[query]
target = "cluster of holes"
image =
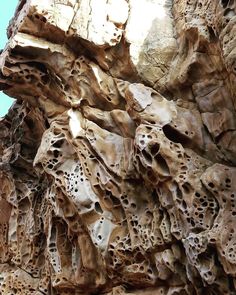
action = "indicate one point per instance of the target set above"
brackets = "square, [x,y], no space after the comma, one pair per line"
[150,153]
[142,230]
[73,178]
[54,255]
[176,229]
[165,229]
[22,286]
[135,225]
[232,201]
[99,237]
[204,209]
[55,153]
[81,62]
[57,281]
[144,268]
[229,12]
[51,163]
[156,239]
[195,244]
[117,36]
[76,71]
[207,275]
[120,247]
[109,198]
[228,183]
[144,139]
[229,246]
[40,17]
[31,264]
[182,176]
[38,73]
[75,257]
[127,204]
[73,181]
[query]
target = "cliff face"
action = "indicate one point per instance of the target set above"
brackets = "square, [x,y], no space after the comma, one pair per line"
[117,161]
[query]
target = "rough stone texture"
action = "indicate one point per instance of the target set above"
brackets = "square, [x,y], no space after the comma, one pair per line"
[117,160]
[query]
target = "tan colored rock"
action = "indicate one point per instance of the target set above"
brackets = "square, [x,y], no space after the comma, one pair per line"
[117,160]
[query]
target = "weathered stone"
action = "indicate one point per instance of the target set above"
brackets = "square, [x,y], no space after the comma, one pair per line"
[117,160]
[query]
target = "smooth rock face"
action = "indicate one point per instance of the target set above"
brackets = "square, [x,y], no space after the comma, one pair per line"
[117,163]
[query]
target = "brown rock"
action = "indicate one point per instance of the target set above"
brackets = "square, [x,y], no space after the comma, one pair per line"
[117,160]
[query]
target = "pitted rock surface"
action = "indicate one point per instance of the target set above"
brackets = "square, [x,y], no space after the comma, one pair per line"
[117,160]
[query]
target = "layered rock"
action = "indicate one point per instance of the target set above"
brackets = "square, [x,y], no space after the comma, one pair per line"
[117,162]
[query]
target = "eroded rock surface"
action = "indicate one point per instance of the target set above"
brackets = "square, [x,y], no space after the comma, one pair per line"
[117,162]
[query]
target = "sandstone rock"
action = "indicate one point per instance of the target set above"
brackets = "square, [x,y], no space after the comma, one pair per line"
[117,161]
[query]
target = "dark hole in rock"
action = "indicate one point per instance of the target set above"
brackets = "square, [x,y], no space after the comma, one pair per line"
[162,164]
[98,208]
[224,3]
[58,143]
[174,135]
[147,157]
[155,149]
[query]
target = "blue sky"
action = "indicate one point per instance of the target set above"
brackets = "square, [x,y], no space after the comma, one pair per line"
[7,9]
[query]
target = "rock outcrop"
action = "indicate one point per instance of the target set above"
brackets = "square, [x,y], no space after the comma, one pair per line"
[117,162]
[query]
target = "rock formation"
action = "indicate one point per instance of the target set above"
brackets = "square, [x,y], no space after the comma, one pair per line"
[117,162]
